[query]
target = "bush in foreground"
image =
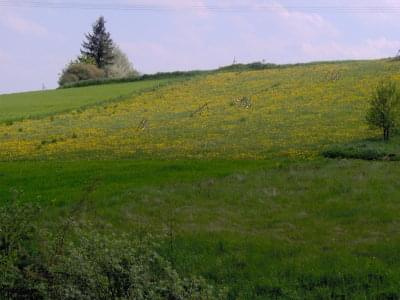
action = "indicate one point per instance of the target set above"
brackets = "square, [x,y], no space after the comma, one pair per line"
[77,263]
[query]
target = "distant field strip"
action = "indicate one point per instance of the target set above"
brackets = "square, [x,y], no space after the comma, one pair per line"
[43,103]
[293,112]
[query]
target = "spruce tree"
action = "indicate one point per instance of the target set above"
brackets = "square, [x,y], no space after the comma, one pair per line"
[99,45]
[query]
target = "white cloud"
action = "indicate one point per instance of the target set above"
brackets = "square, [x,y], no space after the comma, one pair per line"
[369,11]
[151,57]
[276,35]
[21,25]
[255,36]
[194,35]
[199,7]
[305,24]
[176,3]
[370,48]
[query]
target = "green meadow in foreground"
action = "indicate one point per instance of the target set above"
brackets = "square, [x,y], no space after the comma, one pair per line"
[321,229]
[283,226]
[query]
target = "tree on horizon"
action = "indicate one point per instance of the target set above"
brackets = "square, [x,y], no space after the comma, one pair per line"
[99,45]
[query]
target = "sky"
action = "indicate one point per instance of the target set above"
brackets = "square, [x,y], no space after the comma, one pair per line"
[37,42]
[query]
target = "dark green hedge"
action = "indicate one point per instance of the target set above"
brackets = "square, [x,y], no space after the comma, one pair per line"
[168,75]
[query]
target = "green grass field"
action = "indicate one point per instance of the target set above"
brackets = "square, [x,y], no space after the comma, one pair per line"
[237,191]
[44,103]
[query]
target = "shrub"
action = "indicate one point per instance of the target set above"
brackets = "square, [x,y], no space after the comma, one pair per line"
[249,67]
[76,262]
[384,108]
[157,76]
[353,153]
[367,150]
[76,72]
[17,254]
[121,67]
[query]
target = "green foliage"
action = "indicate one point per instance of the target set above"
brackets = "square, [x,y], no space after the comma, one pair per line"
[76,72]
[76,262]
[99,45]
[101,81]
[84,59]
[354,153]
[384,108]
[17,250]
[145,77]
[249,67]
[266,66]
[369,149]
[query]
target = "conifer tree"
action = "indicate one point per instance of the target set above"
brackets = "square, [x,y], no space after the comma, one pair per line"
[99,45]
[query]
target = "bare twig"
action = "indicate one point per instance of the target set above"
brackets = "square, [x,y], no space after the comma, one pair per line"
[200,110]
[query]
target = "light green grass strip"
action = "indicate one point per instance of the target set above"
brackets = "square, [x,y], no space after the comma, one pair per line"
[44,103]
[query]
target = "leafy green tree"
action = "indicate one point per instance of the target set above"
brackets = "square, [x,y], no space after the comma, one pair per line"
[384,108]
[99,45]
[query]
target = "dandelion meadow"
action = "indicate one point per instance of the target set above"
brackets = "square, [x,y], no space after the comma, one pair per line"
[291,112]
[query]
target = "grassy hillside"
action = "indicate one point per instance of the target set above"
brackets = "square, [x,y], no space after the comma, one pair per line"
[44,103]
[227,171]
[292,112]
